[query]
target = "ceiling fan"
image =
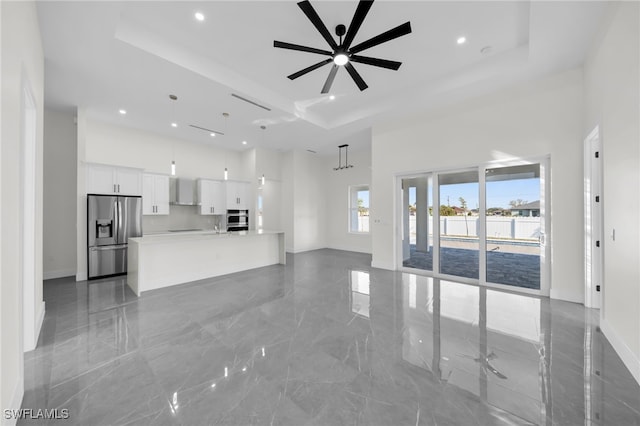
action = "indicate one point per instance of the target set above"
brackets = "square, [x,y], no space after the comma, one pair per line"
[344,54]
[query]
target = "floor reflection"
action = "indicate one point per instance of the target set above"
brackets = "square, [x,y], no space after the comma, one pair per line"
[326,340]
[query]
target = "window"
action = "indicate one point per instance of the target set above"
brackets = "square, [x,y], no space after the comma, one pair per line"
[359,208]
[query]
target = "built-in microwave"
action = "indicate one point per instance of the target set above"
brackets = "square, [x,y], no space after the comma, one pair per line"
[237,220]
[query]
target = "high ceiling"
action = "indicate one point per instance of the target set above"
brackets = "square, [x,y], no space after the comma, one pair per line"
[107,56]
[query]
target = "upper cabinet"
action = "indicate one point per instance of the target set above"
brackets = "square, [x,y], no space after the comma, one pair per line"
[211,197]
[155,194]
[113,180]
[237,195]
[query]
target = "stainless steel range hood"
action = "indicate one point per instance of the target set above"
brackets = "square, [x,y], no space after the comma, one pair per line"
[183,192]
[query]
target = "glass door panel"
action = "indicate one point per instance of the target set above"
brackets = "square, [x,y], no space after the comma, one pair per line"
[459,244]
[417,213]
[514,225]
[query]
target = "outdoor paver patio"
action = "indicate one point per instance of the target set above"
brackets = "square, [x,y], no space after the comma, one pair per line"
[517,269]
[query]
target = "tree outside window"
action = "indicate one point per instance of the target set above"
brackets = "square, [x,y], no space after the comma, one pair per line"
[359,209]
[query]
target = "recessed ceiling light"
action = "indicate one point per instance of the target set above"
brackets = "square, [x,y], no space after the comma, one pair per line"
[199,16]
[174,124]
[462,40]
[213,135]
[332,97]
[122,111]
[244,142]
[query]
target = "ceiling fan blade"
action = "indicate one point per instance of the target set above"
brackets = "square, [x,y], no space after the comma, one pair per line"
[317,22]
[329,82]
[382,63]
[356,22]
[355,76]
[291,46]
[308,69]
[396,32]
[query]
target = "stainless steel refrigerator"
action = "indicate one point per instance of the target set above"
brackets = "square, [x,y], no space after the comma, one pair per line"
[111,221]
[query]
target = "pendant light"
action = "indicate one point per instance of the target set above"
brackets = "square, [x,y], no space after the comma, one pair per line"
[226,171]
[173,98]
[262,180]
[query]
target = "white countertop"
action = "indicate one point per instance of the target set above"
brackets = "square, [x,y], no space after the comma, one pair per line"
[169,237]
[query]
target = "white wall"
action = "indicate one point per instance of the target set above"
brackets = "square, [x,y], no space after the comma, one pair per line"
[22,58]
[612,74]
[99,142]
[337,185]
[59,227]
[309,202]
[531,120]
[287,200]
[303,201]
[269,163]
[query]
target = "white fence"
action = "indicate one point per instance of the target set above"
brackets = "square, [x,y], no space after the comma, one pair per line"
[521,228]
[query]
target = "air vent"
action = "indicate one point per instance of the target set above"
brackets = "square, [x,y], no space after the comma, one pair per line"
[250,102]
[206,130]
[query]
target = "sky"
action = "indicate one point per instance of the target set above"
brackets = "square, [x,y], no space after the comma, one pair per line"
[499,194]
[364,196]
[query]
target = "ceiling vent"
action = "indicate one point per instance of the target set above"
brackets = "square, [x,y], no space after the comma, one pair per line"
[250,102]
[206,130]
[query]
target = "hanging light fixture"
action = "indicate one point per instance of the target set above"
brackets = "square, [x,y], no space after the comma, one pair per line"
[346,158]
[262,180]
[173,98]
[226,171]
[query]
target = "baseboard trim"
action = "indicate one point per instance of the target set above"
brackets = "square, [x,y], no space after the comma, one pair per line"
[16,402]
[40,321]
[558,295]
[630,360]
[332,247]
[304,250]
[61,273]
[383,265]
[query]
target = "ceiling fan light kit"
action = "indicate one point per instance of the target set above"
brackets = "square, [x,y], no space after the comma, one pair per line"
[343,54]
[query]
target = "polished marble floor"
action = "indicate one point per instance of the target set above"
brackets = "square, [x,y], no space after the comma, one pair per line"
[324,340]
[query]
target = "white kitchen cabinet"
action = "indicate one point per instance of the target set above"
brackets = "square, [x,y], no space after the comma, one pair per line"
[113,180]
[155,194]
[211,197]
[237,195]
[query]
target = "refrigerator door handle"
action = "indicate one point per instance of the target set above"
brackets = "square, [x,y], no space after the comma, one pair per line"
[106,248]
[119,230]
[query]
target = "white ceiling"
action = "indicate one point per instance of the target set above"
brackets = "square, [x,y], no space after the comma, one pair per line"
[105,56]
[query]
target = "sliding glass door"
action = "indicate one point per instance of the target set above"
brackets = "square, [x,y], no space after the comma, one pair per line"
[417,214]
[489,224]
[459,243]
[514,225]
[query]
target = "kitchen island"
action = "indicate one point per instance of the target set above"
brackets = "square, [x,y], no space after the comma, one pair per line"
[163,260]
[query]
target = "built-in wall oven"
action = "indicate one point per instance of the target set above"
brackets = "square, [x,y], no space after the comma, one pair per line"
[237,220]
